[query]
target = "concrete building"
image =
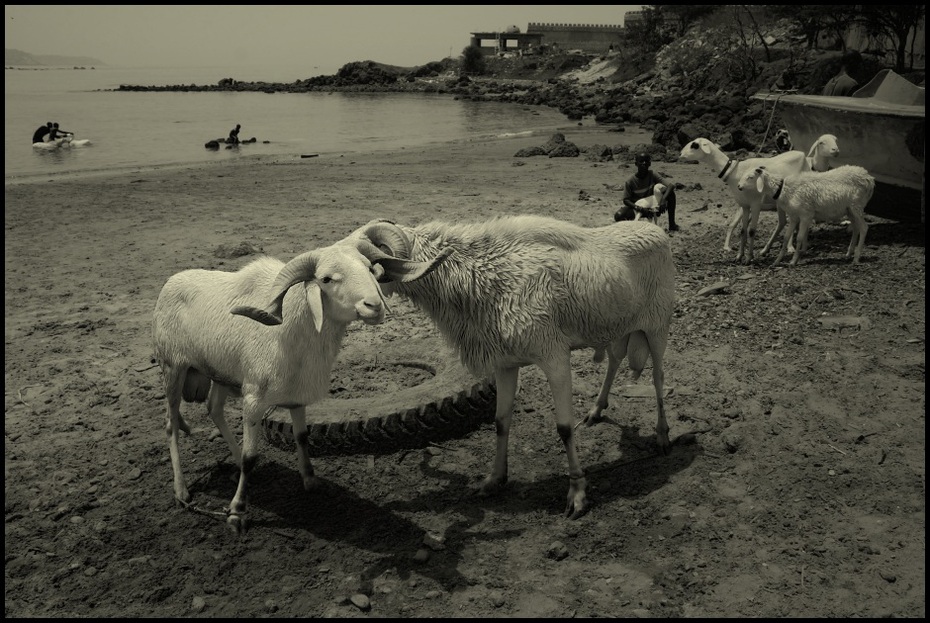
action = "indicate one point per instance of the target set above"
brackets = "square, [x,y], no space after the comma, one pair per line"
[589,38]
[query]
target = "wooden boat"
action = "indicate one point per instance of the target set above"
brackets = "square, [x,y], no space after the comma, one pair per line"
[880,127]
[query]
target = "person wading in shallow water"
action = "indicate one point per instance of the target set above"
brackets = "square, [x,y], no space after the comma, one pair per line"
[233,136]
[39,135]
[56,132]
[639,186]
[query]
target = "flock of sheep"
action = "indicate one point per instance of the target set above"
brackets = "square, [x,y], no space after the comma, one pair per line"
[271,332]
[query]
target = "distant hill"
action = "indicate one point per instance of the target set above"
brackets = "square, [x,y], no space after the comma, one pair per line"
[18,58]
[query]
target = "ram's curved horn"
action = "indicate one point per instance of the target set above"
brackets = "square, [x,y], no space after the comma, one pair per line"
[398,269]
[388,237]
[301,268]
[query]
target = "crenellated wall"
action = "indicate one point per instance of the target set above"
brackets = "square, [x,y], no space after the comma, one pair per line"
[592,38]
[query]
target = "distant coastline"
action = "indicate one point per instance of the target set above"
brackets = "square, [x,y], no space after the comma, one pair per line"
[17,59]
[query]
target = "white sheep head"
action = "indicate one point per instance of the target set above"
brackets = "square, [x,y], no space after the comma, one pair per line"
[760,176]
[827,145]
[697,149]
[348,273]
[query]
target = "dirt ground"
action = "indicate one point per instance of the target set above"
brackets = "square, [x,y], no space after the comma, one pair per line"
[799,492]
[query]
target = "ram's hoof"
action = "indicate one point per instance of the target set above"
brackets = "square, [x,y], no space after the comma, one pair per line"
[238,524]
[490,486]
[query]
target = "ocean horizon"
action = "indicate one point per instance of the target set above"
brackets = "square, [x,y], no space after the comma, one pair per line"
[130,129]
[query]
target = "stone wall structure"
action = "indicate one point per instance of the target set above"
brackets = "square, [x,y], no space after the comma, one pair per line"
[590,38]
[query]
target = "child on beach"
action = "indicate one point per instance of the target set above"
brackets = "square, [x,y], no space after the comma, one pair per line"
[640,186]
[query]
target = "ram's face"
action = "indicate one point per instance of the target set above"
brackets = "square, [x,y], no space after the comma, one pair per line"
[695,149]
[347,282]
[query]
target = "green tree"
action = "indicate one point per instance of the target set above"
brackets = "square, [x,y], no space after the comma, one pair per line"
[473,61]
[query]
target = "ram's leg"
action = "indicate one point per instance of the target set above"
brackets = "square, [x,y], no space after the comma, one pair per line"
[559,373]
[616,351]
[731,227]
[657,343]
[174,381]
[782,219]
[506,380]
[751,232]
[789,232]
[299,422]
[803,228]
[743,234]
[860,228]
[215,403]
[251,418]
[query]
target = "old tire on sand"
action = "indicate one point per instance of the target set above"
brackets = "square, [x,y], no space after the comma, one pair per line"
[418,392]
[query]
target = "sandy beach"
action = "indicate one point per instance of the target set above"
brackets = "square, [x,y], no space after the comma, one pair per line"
[802,492]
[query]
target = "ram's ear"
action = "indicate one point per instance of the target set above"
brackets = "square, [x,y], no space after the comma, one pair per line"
[760,184]
[705,146]
[315,300]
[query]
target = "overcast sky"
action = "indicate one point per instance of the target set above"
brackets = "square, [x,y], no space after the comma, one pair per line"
[192,36]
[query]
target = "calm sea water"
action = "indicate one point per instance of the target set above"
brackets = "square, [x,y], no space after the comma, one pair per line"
[132,129]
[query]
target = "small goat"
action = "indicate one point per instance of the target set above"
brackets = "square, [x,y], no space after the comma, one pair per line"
[648,207]
[808,197]
[207,351]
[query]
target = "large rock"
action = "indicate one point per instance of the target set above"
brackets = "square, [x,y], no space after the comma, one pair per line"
[565,150]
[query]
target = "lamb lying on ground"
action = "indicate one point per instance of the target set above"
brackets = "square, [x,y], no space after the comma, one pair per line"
[808,197]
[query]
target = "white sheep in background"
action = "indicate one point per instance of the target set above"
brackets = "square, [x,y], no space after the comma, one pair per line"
[819,158]
[521,290]
[207,351]
[750,201]
[812,196]
[648,207]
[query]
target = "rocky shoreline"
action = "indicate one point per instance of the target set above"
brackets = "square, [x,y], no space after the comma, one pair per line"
[669,116]
[675,104]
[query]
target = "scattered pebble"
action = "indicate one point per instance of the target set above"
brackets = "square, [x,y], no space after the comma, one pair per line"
[497,600]
[135,473]
[888,577]
[434,541]
[433,594]
[198,603]
[422,555]
[557,550]
[360,601]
